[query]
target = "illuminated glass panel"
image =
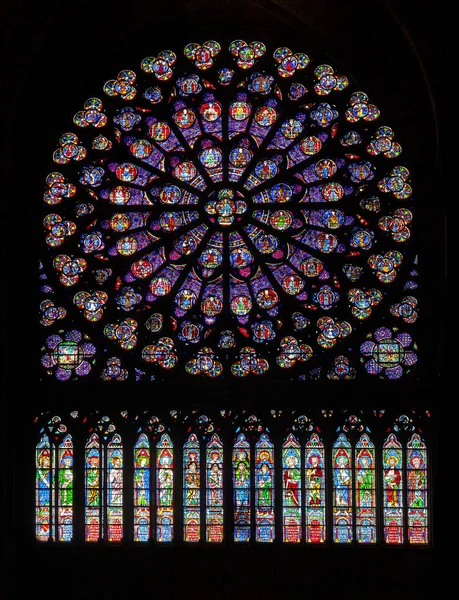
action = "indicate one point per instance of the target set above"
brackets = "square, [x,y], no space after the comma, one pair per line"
[115,489]
[264,486]
[315,490]
[417,488]
[234,194]
[342,490]
[65,490]
[365,495]
[44,503]
[393,490]
[93,506]
[191,490]
[142,490]
[164,490]
[214,490]
[291,486]
[241,489]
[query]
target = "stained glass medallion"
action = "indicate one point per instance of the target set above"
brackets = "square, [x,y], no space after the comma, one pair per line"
[228,211]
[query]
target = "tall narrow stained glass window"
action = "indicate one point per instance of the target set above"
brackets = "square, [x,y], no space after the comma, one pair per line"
[44,504]
[142,489]
[164,489]
[191,490]
[292,493]
[365,495]
[342,490]
[417,488]
[54,498]
[114,489]
[214,490]
[65,490]
[393,490]
[104,488]
[93,502]
[241,489]
[315,490]
[264,486]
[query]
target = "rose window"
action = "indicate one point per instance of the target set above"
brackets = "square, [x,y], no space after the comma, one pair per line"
[229,211]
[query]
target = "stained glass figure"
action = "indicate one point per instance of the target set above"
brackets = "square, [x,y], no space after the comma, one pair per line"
[227,187]
[115,489]
[292,507]
[315,489]
[44,502]
[417,489]
[164,489]
[65,490]
[365,495]
[356,499]
[241,489]
[214,490]
[264,486]
[393,490]
[94,454]
[191,490]
[342,490]
[142,489]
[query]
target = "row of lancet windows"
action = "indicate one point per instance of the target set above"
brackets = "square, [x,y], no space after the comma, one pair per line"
[361,492]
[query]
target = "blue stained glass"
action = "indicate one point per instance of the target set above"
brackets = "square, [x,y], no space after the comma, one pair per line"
[219,140]
[241,489]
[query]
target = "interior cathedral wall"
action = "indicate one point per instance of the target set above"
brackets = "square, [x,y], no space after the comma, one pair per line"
[60,54]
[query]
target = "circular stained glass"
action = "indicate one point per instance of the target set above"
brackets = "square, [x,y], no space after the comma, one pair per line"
[241,212]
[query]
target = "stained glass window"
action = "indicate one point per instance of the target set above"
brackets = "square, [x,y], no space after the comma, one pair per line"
[291,485]
[104,484]
[214,487]
[393,490]
[93,504]
[142,489]
[338,500]
[54,497]
[115,489]
[191,490]
[65,490]
[228,211]
[241,489]
[264,485]
[342,490]
[315,490]
[44,504]
[416,462]
[164,489]
[365,495]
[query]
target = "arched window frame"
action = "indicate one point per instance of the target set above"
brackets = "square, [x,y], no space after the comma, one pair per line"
[215,490]
[166,473]
[191,484]
[54,495]
[405,431]
[143,490]
[302,427]
[104,483]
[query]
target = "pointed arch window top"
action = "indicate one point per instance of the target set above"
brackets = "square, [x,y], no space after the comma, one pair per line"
[338,501]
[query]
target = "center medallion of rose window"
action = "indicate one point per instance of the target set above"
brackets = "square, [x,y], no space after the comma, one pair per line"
[225,206]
